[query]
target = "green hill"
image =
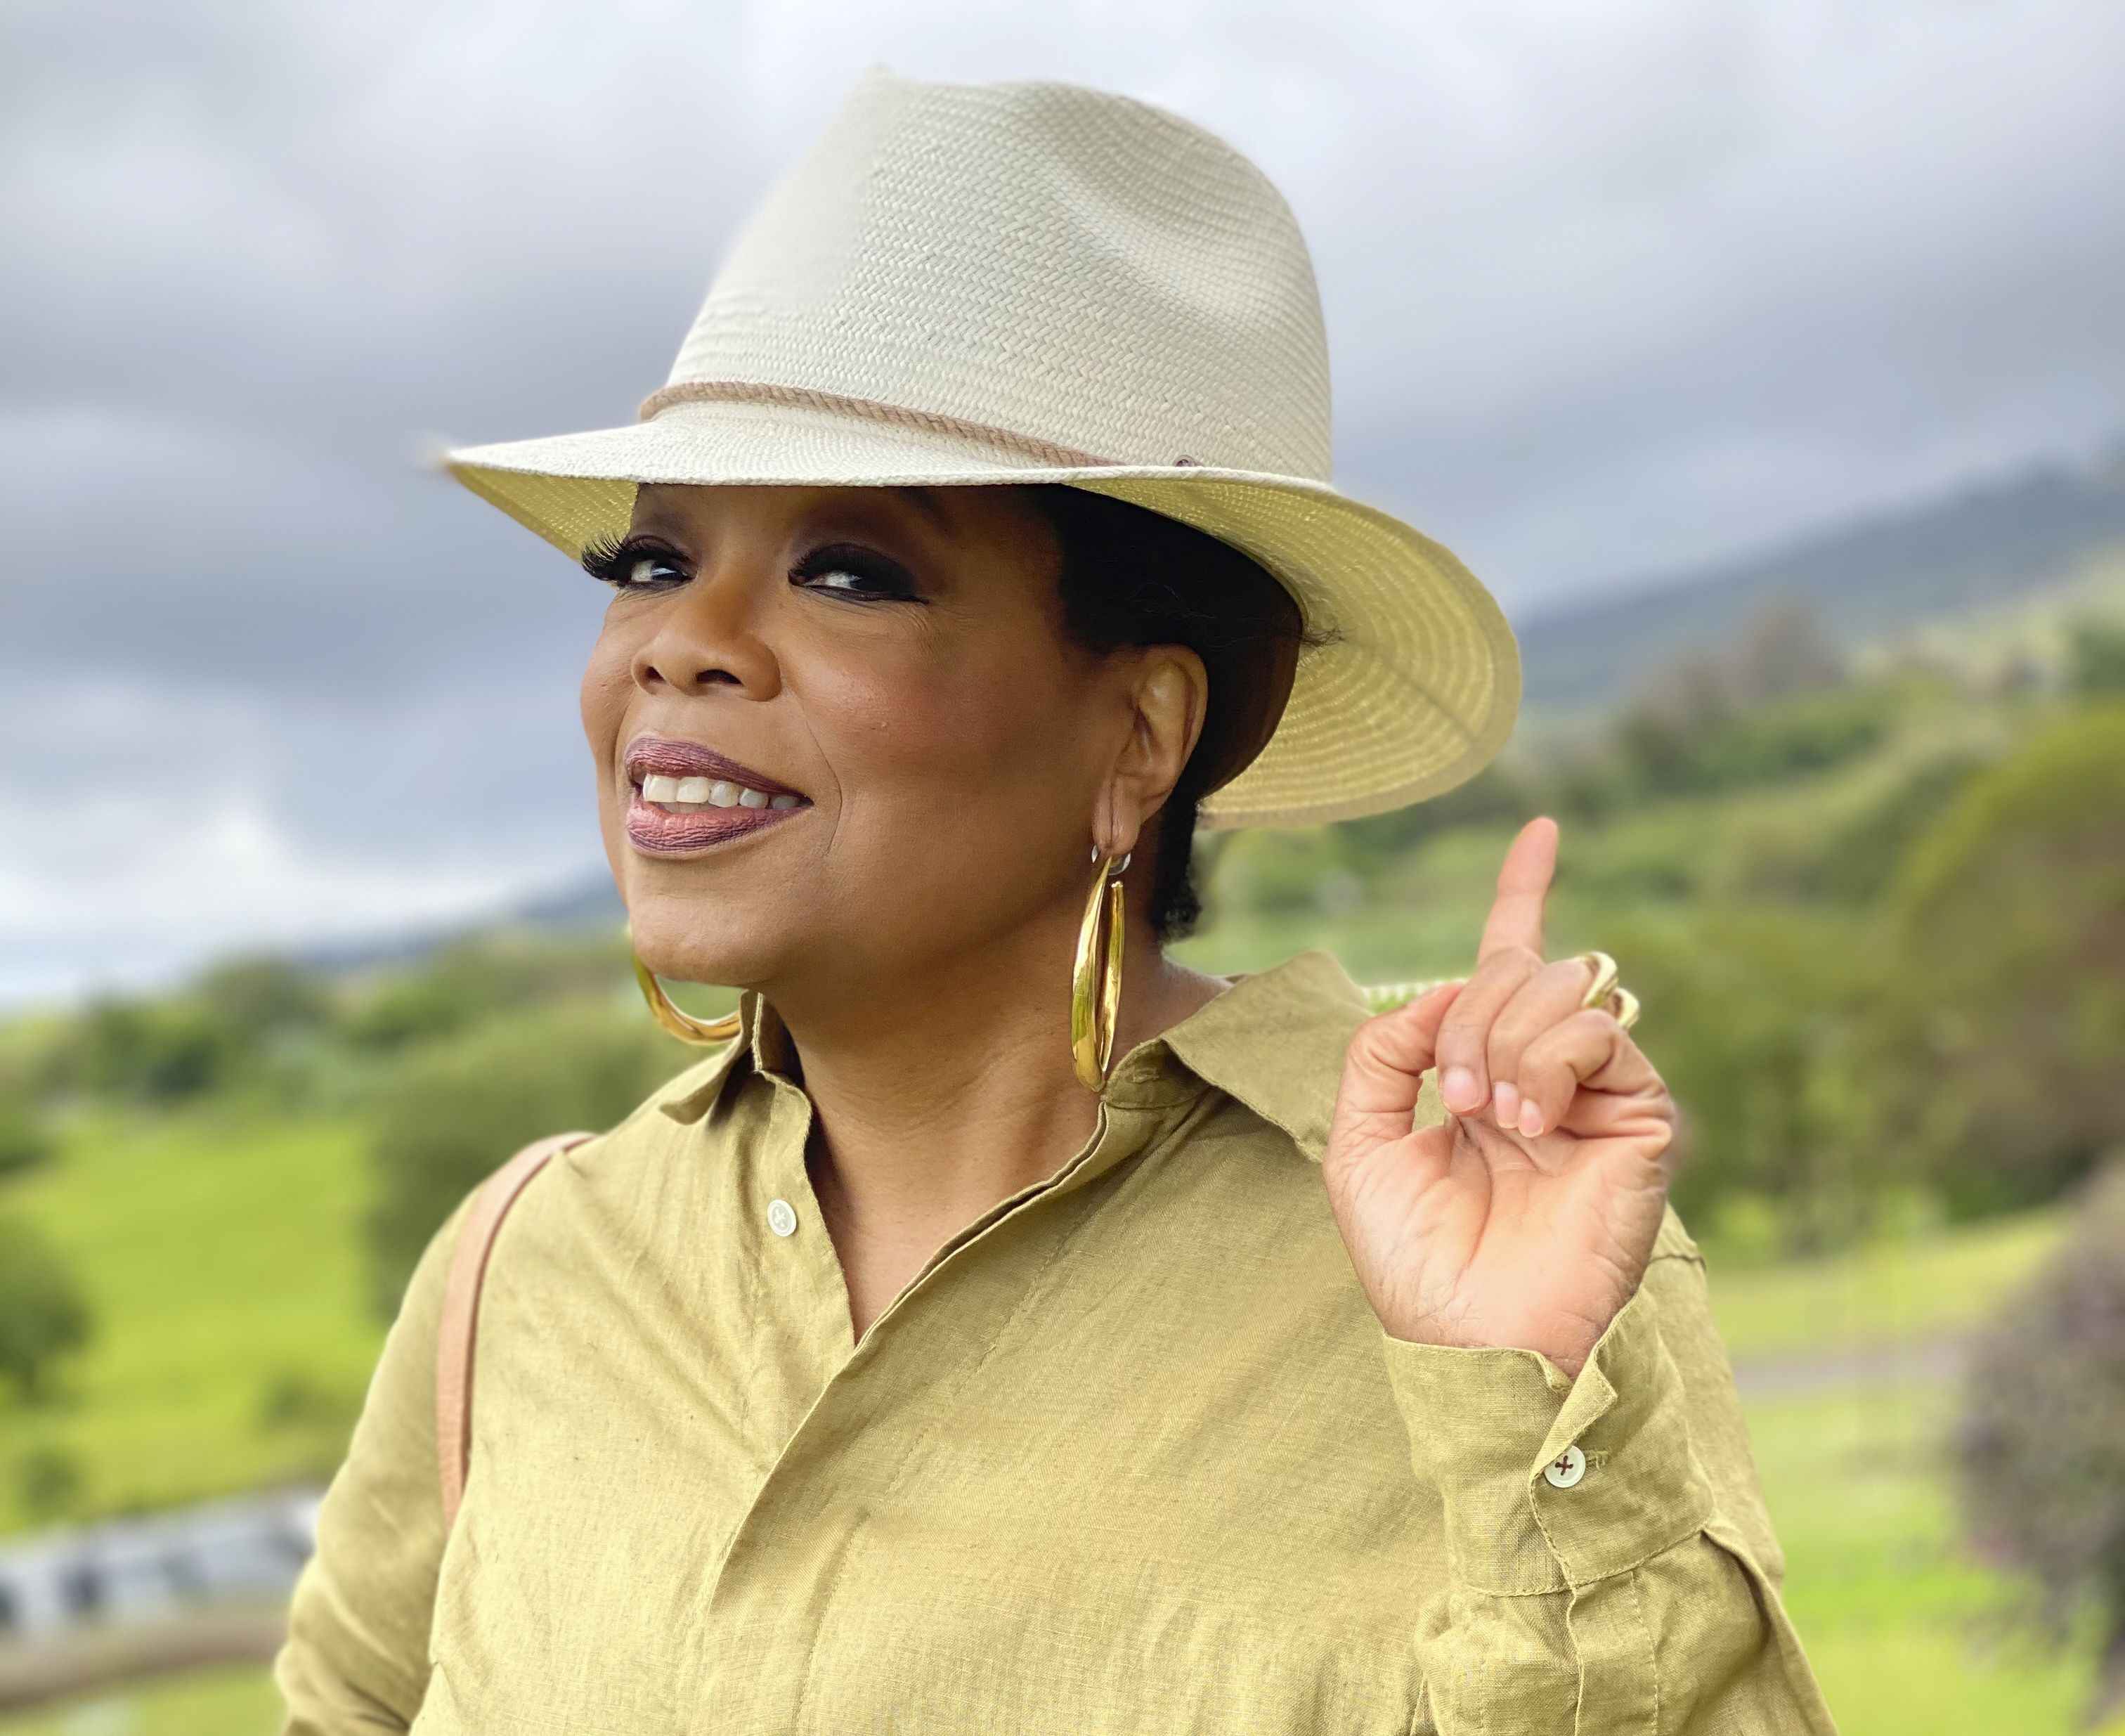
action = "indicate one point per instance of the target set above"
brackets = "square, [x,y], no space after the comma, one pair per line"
[1988,545]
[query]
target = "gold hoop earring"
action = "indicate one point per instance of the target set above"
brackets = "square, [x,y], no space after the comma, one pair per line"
[681,1024]
[1095,993]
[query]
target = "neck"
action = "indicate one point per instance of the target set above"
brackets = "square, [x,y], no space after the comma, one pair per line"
[937,1096]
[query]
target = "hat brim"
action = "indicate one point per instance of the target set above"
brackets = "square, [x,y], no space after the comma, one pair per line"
[1411,689]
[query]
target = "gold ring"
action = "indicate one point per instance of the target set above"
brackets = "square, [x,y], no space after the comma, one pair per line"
[1604,977]
[1606,992]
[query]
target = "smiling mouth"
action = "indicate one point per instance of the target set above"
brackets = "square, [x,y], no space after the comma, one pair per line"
[683,797]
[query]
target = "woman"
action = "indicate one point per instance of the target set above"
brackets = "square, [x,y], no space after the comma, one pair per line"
[980,1342]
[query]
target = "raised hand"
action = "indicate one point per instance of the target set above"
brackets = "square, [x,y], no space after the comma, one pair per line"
[1526,1218]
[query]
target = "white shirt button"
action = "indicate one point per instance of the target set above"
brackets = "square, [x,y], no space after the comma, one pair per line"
[1566,1468]
[782,1217]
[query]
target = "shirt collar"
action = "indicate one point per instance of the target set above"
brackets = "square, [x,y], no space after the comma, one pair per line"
[762,1044]
[1274,1041]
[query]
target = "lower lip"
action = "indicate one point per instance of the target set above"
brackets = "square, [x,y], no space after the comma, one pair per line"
[660,832]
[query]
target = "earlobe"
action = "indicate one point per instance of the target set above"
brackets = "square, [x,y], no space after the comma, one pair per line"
[1118,820]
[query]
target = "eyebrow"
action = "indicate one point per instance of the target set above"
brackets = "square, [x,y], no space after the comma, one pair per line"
[925,502]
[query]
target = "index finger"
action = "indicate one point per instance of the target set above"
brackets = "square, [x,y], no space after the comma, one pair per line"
[1515,918]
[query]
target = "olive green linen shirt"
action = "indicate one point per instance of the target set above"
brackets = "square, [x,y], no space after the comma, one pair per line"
[1132,1453]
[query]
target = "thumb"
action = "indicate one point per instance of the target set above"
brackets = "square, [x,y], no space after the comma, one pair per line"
[1383,1071]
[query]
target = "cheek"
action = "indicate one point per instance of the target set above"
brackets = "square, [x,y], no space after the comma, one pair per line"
[607,679]
[936,729]
[602,701]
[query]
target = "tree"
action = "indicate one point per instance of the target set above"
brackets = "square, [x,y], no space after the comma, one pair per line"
[459,1109]
[264,996]
[2095,659]
[2011,969]
[1784,649]
[159,1050]
[24,1140]
[1755,1017]
[2040,1447]
[44,1317]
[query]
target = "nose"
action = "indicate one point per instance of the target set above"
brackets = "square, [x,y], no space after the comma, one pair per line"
[710,637]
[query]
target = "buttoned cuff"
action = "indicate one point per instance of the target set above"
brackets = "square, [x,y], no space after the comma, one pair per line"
[1485,1425]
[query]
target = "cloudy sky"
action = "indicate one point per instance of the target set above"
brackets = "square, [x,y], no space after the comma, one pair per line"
[1613,287]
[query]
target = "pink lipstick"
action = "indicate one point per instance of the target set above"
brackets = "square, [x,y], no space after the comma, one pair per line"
[684,797]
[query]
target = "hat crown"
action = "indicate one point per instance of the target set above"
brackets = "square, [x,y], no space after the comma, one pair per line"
[1074,268]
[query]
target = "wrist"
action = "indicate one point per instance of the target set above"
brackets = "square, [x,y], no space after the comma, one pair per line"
[1565,1344]
[1486,1425]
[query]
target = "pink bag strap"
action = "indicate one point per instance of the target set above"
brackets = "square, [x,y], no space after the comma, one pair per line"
[459,1328]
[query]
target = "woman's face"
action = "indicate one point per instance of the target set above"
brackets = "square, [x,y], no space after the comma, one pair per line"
[840,735]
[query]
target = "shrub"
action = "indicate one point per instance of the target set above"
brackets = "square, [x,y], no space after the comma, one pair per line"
[479,978]
[2040,1449]
[2096,659]
[44,1317]
[24,1140]
[264,997]
[47,1482]
[1755,1017]
[2011,919]
[158,1050]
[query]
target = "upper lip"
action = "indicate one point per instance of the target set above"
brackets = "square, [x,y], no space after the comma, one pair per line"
[648,754]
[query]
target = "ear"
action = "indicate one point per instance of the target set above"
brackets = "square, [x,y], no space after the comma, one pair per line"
[1168,695]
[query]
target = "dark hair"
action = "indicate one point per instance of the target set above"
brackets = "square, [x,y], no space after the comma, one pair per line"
[1133,577]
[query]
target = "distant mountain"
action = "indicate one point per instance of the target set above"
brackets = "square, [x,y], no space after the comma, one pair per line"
[593,904]
[1979,547]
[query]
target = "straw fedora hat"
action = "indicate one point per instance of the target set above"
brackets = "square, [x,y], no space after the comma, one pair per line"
[1037,282]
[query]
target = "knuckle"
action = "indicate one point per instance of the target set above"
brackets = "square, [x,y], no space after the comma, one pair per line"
[1371,1041]
[1518,1027]
[1463,1041]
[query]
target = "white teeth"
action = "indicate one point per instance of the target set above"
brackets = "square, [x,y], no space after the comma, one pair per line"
[689,794]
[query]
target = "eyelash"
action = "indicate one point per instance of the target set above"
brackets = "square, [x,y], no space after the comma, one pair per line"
[610,563]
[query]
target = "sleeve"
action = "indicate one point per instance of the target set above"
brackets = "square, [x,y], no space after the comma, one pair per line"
[1613,1565]
[356,1656]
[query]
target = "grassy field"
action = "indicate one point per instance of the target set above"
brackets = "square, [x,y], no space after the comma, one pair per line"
[217,1702]
[221,1254]
[204,1318]
[1894,1291]
[1901,1624]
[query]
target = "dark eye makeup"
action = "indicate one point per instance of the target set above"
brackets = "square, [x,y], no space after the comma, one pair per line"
[848,570]
[634,563]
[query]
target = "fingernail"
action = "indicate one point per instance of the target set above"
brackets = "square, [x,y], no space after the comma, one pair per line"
[1506,1104]
[1463,1095]
[1530,1121]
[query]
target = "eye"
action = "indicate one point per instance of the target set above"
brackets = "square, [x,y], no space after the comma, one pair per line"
[861,575]
[634,563]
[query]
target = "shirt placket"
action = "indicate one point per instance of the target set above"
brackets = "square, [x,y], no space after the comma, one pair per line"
[801,1314]
[801,1267]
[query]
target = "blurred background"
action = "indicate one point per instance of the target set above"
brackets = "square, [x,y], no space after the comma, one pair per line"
[1767,360]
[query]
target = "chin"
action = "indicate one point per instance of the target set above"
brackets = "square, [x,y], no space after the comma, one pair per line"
[698,939]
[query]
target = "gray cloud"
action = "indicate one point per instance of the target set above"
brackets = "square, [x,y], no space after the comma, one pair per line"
[1608,289]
